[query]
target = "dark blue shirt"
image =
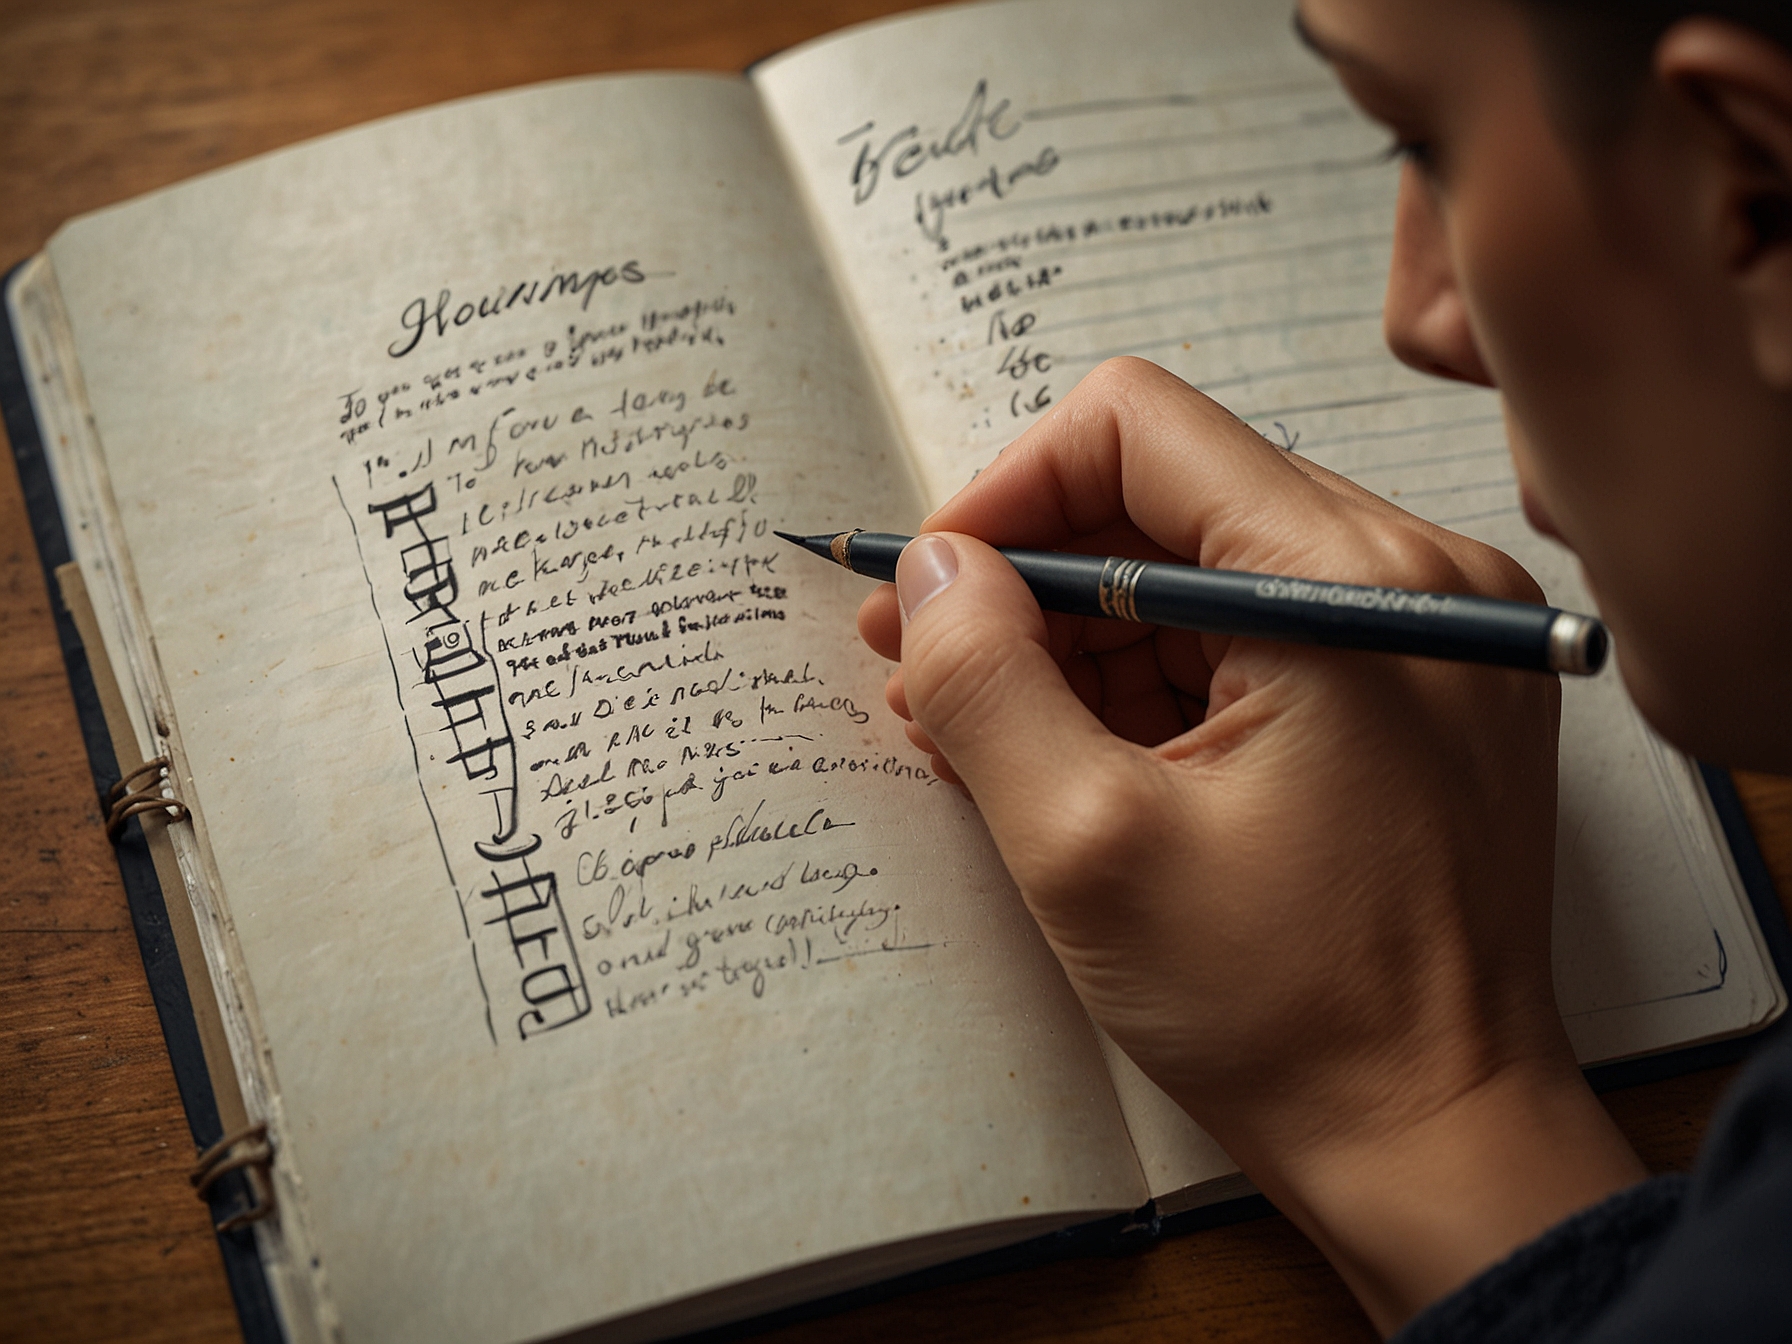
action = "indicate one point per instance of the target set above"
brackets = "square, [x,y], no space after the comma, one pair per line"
[1706,1256]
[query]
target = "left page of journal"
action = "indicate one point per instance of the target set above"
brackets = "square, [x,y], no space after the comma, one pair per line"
[584,929]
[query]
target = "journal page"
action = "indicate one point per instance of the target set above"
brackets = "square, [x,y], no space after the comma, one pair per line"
[1013,192]
[598,938]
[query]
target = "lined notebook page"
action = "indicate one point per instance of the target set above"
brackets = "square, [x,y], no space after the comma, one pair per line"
[1014,192]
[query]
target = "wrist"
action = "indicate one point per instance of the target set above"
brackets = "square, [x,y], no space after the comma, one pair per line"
[1409,1215]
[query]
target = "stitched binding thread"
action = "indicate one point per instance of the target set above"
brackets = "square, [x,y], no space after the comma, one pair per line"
[247,1151]
[139,792]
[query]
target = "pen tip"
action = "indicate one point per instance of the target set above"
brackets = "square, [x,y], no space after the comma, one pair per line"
[821,545]
[788,536]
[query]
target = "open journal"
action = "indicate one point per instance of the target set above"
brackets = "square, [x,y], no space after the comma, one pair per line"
[582,928]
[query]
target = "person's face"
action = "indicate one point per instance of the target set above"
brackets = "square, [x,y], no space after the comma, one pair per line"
[1592,283]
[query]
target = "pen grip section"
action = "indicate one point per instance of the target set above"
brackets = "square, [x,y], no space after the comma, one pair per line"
[874,554]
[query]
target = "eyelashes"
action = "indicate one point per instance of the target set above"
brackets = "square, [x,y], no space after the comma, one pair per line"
[1417,152]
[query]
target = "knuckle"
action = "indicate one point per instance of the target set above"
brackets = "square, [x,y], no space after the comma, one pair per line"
[1499,575]
[1127,379]
[1415,554]
[1122,372]
[1413,559]
[1093,834]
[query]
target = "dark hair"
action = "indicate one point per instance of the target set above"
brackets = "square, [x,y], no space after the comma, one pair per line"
[1632,23]
[1599,51]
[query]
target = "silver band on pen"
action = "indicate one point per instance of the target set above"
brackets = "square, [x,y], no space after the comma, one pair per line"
[1119,583]
[1576,644]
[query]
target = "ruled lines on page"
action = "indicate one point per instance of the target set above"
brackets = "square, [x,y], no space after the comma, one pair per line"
[1012,193]
[1234,228]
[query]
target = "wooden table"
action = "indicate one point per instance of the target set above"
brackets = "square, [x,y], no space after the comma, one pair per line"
[99,1236]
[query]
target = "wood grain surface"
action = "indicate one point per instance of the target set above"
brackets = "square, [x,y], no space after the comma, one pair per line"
[100,1238]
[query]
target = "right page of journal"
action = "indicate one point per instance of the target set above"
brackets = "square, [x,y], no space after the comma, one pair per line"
[1013,192]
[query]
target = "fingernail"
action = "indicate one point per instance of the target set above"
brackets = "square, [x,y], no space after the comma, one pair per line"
[927,564]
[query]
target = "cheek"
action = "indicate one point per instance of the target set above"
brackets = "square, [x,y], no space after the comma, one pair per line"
[1630,448]
[1534,291]
[1596,416]
[1638,424]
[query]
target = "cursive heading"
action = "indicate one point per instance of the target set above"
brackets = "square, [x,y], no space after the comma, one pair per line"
[420,316]
[908,150]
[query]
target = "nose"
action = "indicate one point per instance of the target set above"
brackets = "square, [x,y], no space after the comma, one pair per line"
[1424,319]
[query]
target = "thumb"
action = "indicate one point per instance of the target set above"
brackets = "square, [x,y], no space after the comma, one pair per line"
[981,682]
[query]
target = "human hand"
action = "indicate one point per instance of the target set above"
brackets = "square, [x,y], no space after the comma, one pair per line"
[1306,890]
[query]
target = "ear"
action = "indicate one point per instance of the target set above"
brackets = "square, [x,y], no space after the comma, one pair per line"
[1741,80]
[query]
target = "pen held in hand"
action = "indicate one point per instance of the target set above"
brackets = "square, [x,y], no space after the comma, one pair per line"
[1455,626]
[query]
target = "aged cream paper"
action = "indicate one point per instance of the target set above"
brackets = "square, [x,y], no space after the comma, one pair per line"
[606,941]
[585,901]
[1013,192]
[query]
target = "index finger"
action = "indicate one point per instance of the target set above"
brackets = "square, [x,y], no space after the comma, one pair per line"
[1133,448]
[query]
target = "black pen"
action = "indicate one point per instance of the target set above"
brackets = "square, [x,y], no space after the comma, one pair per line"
[1455,626]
